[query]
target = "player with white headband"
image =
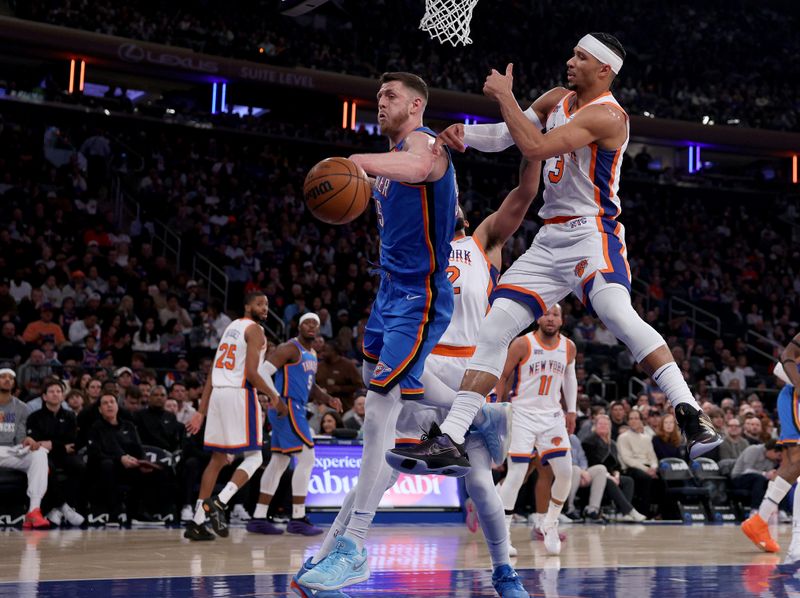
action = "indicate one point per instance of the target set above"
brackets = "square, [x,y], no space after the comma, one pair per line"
[294,367]
[581,134]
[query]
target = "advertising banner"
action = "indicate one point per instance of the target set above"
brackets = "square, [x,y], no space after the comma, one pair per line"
[336,472]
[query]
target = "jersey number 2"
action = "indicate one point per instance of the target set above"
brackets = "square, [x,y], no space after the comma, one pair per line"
[557,172]
[227,357]
[453,274]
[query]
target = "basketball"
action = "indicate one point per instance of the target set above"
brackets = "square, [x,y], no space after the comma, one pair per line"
[337,190]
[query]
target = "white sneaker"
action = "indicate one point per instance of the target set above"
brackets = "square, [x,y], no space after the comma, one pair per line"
[55,517]
[633,517]
[552,543]
[187,513]
[238,513]
[72,516]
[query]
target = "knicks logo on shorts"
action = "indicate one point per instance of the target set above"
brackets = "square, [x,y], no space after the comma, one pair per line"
[580,268]
[556,441]
[381,368]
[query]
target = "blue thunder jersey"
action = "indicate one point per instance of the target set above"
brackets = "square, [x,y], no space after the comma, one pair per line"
[416,222]
[294,380]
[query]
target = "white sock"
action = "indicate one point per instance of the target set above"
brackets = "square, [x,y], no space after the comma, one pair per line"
[669,379]
[777,489]
[358,527]
[537,520]
[227,492]
[36,503]
[463,411]
[199,514]
[298,511]
[553,511]
[261,511]
[509,517]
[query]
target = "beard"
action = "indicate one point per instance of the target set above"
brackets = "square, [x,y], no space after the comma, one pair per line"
[459,224]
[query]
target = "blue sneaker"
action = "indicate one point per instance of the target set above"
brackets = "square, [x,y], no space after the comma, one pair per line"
[342,567]
[308,592]
[507,583]
[495,430]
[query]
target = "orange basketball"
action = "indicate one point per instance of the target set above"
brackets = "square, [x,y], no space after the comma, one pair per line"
[337,191]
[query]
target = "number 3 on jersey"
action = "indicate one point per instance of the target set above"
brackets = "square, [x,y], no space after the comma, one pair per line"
[227,357]
[558,171]
[453,274]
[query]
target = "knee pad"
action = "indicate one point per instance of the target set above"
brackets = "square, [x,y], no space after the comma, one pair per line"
[503,323]
[612,304]
[252,461]
[562,477]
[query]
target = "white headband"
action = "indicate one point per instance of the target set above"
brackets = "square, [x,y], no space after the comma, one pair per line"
[601,51]
[308,316]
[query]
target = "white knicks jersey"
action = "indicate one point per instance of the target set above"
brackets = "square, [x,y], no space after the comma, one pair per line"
[228,366]
[585,181]
[540,374]
[473,278]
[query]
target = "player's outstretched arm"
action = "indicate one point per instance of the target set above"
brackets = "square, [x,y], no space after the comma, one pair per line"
[415,164]
[495,137]
[497,228]
[516,353]
[601,124]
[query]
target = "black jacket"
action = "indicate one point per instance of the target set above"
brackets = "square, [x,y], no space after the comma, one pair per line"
[159,428]
[112,442]
[60,428]
[600,453]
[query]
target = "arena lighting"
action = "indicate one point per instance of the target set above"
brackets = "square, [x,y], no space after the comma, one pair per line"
[694,159]
[344,114]
[794,169]
[353,117]
[222,99]
[71,75]
[83,73]
[214,98]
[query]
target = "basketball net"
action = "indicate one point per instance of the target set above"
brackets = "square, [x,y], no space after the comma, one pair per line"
[448,20]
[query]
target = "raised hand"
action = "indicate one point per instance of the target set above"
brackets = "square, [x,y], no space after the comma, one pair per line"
[497,85]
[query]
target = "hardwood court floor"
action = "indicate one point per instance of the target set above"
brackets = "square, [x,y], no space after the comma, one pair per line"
[624,560]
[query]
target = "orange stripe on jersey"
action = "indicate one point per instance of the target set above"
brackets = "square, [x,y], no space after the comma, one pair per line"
[453,351]
[490,286]
[623,250]
[566,103]
[609,266]
[427,229]
[522,362]
[592,164]
[560,219]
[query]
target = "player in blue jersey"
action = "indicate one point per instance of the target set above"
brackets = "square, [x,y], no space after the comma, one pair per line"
[756,527]
[294,366]
[415,199]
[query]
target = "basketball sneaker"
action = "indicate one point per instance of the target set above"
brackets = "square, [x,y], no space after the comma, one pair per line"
[701,436]
[495,430]
[187,513]
[308,592]
[239,513]
[435,454]
[72,516]
[215,512]
[198,533]
[35,520]
[472,516]
[507,583]
[344,566]
[538,535]
[55,517]
[552,539]
[303,527]
[757,530]
[263,526]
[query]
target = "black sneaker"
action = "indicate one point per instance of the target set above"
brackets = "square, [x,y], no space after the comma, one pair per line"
[435,454]
[215,511]
[574,515]
[594,516]
[701,436]
[198,533]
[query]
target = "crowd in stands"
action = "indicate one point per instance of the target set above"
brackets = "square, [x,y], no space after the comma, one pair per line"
[743,81]
[103,331]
